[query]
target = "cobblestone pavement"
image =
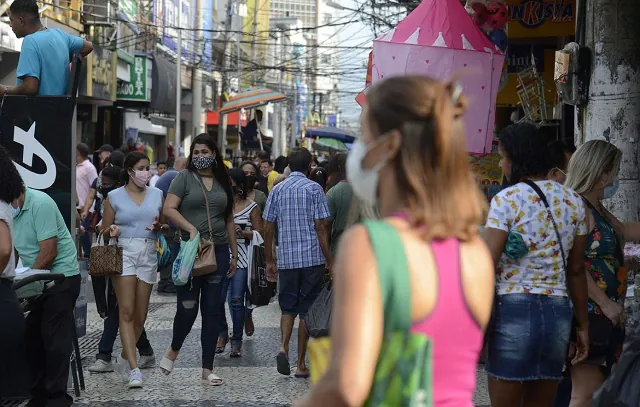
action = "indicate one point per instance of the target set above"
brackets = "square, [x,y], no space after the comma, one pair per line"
[249,381]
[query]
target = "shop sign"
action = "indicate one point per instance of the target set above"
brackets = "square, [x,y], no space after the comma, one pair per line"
[137,88]
[101,75]
[519,57]
[541,18]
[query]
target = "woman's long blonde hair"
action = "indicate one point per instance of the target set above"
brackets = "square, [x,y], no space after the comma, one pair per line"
[589,162]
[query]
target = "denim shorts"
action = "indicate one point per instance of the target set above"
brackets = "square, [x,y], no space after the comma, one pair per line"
[299,288]
[529,339]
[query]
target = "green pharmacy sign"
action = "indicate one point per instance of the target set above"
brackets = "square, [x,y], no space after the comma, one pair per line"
[137,88]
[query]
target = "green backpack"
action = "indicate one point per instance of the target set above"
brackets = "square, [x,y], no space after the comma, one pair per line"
[403,374]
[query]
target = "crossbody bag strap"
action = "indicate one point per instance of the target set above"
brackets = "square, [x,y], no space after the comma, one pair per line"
[542,196]
[393,274]
[206,202]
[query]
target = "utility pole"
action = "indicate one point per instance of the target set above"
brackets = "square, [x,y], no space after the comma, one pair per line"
[222,128]
[196,76]
[613,109]
[253,41]
[179,81]
[280,137]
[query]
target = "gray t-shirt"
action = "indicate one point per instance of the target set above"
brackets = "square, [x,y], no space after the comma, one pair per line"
[192,206]
[6,216]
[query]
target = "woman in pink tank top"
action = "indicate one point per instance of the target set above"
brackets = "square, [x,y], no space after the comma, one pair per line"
[411,161]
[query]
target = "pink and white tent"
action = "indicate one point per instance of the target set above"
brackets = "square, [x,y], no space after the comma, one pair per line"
[438,39]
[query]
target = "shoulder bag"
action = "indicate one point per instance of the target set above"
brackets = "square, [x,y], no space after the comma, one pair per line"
[205,262]
[403,376]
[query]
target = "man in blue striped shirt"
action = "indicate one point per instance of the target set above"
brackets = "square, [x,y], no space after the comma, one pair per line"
[299,207]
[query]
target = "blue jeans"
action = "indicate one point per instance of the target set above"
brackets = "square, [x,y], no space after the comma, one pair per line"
[205,291]
[108,338]
[236,289]
[530,337]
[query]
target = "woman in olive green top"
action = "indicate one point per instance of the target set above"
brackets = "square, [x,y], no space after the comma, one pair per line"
[186,207]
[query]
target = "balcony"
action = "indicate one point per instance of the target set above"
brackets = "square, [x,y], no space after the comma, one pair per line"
[67,12]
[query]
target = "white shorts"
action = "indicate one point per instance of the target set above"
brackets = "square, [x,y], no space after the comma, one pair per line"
[139,258]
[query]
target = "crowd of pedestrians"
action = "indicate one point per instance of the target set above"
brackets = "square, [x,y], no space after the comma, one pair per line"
[536,276]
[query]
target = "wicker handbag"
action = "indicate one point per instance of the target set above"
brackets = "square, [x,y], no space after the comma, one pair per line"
[206,257]
[106,260]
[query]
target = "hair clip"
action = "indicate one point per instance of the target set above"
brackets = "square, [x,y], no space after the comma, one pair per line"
[457,91]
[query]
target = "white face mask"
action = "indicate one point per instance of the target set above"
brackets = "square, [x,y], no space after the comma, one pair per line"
[364,182]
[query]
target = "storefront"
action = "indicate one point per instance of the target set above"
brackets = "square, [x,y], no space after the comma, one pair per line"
[135,98]
[536,29]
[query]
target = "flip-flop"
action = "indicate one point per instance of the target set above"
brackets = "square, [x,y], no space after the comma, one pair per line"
[213,380]
[302,375]
[166,366]
[283,364]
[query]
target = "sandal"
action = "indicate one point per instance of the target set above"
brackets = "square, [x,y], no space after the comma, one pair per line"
[166,366]
[236,353]
[249,328]
[220,348]
[213,380]
[283,364]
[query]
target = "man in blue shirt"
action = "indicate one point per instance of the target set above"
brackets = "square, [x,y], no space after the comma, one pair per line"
[165,285]
[43,68]
[299,208]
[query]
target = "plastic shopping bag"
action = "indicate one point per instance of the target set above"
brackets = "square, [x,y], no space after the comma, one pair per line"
[183,265]
[621,388]
[163,251]
[260,290]
[318,318]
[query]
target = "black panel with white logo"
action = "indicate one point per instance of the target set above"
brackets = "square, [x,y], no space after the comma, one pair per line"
[37,133]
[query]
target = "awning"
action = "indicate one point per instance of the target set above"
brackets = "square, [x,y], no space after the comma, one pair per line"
[331,132]
[163,92]
[330,145]
[252,97]
[213,119]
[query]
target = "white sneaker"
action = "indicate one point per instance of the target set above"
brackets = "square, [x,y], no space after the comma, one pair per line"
[100,366]
[135,379]
[147,362]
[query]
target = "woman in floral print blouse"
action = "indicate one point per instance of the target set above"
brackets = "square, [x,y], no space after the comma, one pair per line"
[593,173]
[536,284]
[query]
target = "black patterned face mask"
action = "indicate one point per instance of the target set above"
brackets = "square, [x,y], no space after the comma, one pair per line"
[203,162]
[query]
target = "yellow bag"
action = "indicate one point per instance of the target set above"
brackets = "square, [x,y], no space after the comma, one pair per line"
[319,357]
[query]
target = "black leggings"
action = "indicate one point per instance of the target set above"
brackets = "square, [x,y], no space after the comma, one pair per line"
[205,292]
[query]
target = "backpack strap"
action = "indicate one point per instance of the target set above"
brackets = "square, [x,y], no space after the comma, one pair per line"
[393,274]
